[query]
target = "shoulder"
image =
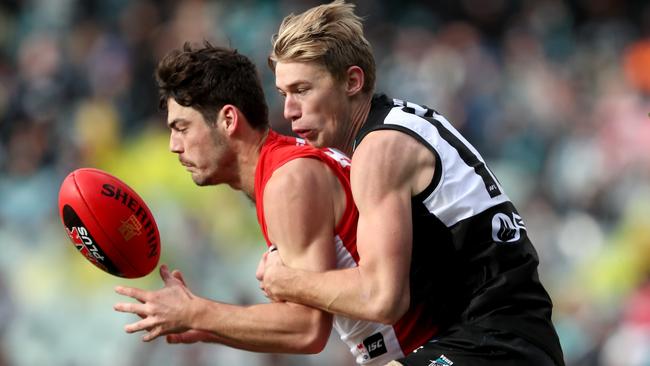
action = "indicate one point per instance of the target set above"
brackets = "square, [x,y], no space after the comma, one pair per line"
[298,175]
[390,160]
[298,202]
[387,146]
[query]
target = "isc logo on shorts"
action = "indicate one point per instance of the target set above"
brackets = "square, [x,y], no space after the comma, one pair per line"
[373,346]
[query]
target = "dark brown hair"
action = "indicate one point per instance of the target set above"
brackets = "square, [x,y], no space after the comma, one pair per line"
[207,78]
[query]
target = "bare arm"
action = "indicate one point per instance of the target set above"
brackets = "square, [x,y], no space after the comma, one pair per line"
[183,317]
[304,238]
[388,168]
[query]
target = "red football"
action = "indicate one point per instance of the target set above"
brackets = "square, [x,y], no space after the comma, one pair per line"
[109,223]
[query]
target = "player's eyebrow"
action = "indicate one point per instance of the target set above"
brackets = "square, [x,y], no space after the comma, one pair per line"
[293,85]
[172,124]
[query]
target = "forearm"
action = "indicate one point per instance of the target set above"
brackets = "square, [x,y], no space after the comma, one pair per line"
[275,327]
[349,292]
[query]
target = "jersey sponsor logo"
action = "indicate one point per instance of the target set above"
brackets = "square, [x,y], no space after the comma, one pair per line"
[506,229]
[441,361]
[372,346]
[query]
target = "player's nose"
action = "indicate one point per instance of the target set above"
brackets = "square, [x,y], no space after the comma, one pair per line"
[175,144]
[292,109]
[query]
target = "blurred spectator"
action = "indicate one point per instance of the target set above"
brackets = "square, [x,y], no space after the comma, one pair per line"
[6,314]
[637,59]
[628,345]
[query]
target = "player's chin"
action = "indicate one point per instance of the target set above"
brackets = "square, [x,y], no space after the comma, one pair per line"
[320,139]
[199,180]
[315,140]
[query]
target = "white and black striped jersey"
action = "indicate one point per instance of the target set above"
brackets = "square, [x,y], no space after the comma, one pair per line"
[472,260]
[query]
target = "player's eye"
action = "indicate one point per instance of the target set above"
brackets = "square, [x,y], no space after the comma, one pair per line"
[180,130]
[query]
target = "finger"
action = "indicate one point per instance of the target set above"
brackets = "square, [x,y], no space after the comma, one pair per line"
[173,338]
[187,337]
[179,276]
[274,257]
[152,334]
[164,273]
[182,338]
[133,292]
[129,307]
[144,324]
[259,272]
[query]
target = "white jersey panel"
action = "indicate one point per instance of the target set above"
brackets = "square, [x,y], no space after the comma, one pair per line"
[461,192]
[355,332]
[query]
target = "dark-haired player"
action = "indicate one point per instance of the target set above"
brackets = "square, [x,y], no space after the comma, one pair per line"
[219,129]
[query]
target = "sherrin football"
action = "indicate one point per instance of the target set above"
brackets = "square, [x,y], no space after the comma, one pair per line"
[109,223]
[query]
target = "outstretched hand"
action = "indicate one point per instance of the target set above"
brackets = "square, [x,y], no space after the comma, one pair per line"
[165,311]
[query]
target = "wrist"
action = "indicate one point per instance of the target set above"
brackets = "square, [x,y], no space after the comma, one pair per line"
[283,277]
[196,312]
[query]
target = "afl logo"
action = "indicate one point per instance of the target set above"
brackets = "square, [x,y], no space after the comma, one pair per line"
[507,229]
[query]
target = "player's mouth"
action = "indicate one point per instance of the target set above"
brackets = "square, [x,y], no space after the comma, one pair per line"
[307,134]
[185,163]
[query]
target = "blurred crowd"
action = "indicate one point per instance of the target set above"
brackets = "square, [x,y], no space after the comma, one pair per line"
[555,94]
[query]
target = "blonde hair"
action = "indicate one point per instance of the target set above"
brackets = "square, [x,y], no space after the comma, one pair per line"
[329,34]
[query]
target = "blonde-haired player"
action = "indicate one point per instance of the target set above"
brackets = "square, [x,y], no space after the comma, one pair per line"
[436,229]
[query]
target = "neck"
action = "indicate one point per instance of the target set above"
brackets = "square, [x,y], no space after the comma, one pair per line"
[358,116]
[248,154]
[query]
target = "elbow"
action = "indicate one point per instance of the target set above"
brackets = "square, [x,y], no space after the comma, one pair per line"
[391,308]
[314,345]
[315,337]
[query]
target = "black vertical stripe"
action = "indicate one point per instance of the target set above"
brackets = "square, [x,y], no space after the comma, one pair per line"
[465,153]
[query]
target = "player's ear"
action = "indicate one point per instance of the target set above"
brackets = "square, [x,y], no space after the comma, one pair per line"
[354,80]
[230,118]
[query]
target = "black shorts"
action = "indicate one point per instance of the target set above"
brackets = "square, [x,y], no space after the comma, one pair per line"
[475,345]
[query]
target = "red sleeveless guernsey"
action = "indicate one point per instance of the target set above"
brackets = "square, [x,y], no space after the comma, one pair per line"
[370,343]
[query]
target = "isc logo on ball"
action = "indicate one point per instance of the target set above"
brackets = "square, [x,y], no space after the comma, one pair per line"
[84,242]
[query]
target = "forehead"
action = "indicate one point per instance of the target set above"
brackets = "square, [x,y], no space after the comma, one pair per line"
[177,112]
[289,73]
